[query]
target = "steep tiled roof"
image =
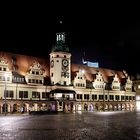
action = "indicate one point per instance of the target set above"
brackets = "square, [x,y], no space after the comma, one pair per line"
[23,64]
[90,72]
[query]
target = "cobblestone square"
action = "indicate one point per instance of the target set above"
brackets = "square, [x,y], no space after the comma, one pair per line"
[77,126]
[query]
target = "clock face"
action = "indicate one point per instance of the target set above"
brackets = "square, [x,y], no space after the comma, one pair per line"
[52,64]
[65,62]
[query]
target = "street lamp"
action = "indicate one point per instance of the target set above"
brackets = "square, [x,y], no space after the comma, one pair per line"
[5,91]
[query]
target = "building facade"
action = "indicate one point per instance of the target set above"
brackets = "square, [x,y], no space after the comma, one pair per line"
[35,84]
[136,81]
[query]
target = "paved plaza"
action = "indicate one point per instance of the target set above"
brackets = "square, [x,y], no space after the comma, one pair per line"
[76,126]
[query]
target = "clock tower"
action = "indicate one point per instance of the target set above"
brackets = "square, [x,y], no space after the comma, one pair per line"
[60,62]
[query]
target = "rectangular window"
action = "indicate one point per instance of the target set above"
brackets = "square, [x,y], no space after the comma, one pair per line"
[4,69]
[10,93]
[122,98]
[45,95]
[65,83]
[86,96]
[105,97]
[111,97]
[35,94]
[23,94]
[101,97]
[37,72]
[126,97]
[94,97]
[79,96]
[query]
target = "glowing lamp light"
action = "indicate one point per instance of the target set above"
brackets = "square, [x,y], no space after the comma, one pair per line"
[83,71]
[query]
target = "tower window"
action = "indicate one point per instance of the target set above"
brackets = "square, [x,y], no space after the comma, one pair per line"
[57,61]
[64,82]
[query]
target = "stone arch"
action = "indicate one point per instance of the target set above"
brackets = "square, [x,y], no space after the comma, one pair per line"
[97,106]
[79,107]
[123,106]
[91,107]
[110,107]
[85,107]
[119,107]
[106,106]
[127,106]
[7,108]
[115,106]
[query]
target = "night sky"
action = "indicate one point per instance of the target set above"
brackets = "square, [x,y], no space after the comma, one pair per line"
[110,36]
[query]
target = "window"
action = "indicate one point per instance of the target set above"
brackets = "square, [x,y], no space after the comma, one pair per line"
[126,97]
[37,72]
[117,97]
[122,98]
[35,94]
[86,96]
[94,97]
[79,96]
[4,69]
[105,97]
[111,97]
[65,82]
[45,95]
[101,97]
[10,93]
[23,94]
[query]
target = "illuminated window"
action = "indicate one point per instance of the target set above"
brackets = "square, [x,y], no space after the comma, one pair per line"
[138,86]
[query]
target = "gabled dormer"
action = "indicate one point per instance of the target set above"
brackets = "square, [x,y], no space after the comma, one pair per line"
[116,83]
[128,85]
[99,82]
[4,71]
[35,74]
[80,80]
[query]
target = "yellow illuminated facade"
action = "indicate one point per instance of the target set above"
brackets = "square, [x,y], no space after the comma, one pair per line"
[36,84]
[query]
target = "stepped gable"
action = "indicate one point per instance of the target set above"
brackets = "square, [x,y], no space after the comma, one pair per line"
[24,62]
[90,73]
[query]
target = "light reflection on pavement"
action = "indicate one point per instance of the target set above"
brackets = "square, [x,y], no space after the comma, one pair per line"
[77,126]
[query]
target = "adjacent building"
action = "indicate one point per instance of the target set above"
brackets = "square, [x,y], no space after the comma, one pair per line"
[34,84]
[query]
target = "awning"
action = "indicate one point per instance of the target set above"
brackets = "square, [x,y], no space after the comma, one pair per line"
[62,91]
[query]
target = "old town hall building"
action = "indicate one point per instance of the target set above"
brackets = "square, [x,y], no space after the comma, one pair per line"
[34,84]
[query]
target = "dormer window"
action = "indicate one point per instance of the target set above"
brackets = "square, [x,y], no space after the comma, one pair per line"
[116,83]
[4,69]
[80,81]
[33,72]
[36,70]
[98,83]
